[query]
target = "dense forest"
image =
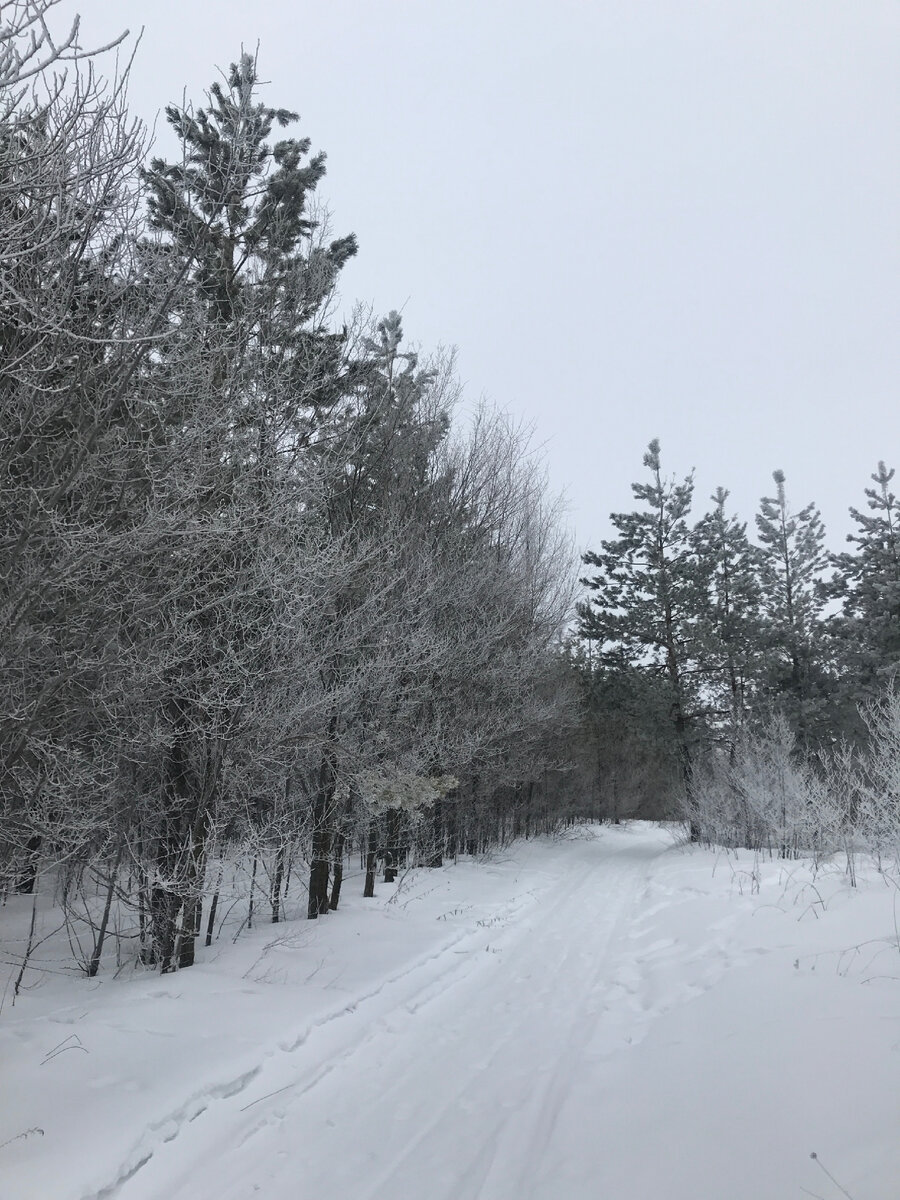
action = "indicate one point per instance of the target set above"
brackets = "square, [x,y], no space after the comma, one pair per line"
[754,679]
[273,602]
[266,601]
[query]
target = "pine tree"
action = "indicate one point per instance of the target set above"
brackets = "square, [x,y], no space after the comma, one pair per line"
[730,627]
[626,741]
[867,582]
[792,562]
[242,382]
[645,599]
[237,205]
[373,460]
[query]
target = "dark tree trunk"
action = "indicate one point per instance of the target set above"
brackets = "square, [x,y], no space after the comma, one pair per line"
[321,838]
[147,954]
[276,884]
[27,880]
[94,964]
[392,847]
[195,870]
[436,857]
[452,837]
[163,910]
[318,882]
[166,897]
[687,766]
[371,858]
[212,914]
[191,918]
[280,862]
[252,894]
[337,870]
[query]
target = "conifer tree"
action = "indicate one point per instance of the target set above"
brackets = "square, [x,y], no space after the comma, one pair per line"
[374,464]
[730,625]
[646,592]
[242,382]
[792,562]
[627,745]
[867,582]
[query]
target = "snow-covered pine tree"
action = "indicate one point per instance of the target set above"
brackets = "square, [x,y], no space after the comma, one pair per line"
[374,465]
[730,616]
[792,561]
[867,582]
[243,378]
[625,748]
[645,601]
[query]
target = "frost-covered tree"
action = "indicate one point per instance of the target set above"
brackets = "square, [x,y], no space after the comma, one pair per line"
[792,561]
[260,601]
[730,616]
[81,310]
[448,630]
[240,383]
[867,583]
[626,747]
[645,596]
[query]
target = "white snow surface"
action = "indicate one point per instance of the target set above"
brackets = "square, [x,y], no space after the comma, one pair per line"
[607,1015]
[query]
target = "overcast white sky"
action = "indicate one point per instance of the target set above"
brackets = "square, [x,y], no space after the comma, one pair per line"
[635,218]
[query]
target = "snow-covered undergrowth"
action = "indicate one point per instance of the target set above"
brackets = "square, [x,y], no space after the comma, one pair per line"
[607,1015]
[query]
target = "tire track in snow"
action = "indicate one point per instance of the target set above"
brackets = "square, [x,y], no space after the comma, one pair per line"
[507,1161]
[404,989]
[467,1075]
[455,1070]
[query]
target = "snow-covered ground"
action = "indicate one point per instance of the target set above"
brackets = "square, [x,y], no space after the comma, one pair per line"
[608,1015]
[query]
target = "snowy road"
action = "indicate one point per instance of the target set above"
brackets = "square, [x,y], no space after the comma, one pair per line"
[600,1017]
[448,1082]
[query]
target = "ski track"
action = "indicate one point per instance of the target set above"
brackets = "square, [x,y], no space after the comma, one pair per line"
[399,992]
[491,1027]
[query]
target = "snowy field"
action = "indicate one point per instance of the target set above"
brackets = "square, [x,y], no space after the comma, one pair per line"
[604,1016]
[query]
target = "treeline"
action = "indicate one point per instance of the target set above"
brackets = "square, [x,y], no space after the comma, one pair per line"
[749,683]
[261,598]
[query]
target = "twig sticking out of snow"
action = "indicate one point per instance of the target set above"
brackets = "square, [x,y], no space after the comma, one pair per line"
[24,1134]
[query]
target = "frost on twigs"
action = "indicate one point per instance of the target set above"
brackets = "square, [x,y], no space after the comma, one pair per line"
[403,790]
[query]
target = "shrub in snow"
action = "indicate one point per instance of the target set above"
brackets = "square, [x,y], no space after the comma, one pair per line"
[879,777]
[768,796]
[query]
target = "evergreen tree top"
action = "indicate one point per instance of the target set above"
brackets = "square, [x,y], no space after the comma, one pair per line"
[234,199]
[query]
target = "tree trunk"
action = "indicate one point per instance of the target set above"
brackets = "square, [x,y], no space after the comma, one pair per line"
[27,880]
[94,964]
[452,835]
[276,884]
[323,803]
[192,914]
[392,848]
[163,911]
[166,898]
[145,940]
[212,911]
[191,919]
[252,894]
[321,846]
[337,870]
[436,857]
[371,857]
[281,855]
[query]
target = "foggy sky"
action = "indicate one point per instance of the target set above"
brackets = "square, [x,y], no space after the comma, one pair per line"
[634,219]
